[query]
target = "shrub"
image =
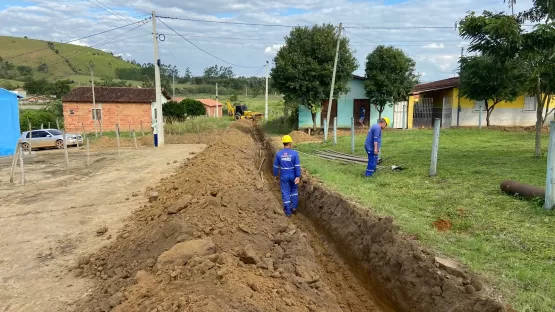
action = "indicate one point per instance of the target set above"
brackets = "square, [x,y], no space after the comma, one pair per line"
[174,111]
[37,118]
[193,107]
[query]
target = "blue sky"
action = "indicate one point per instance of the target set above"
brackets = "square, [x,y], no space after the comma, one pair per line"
[435,51]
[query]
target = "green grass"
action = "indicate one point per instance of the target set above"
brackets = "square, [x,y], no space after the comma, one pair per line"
[79,56]
[197,125]
[510,241]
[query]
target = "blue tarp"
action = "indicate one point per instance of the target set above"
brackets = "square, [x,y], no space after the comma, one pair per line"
[9,122]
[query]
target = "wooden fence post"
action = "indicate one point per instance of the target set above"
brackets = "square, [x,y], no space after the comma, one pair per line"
[65,149]
[352,135]
[334,130]
[88,153]
[117,136]
[135,138]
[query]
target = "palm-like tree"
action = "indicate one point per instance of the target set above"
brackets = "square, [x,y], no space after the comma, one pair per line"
[511,4]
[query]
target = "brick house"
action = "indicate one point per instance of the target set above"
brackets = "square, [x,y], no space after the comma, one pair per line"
[211,106]
[132,108]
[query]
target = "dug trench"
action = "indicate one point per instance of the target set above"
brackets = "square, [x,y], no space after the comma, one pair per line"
[393,268]
[213,237]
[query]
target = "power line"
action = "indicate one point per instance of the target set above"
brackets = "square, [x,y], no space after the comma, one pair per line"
[196,46]
[74,40]
[231,23]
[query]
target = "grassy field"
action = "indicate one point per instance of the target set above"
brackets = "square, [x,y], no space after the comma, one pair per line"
[79,57]
[510,241]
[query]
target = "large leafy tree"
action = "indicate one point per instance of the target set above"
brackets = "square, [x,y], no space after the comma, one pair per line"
[501,37]
[484,78]
[389,77]
[304,66]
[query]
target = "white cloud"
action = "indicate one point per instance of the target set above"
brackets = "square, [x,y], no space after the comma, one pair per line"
[251,45]
[434,46]
[273,49]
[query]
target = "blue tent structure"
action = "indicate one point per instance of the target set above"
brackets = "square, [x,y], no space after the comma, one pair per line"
[9,122]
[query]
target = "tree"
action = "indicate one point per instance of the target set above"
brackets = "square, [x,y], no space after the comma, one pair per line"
[501,36]
[193,107]
[59,88]
[389,77]
[304,66]
[174,110]
[484,78]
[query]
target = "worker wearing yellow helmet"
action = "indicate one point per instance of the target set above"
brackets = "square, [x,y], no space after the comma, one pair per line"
[373,144]
[288,165]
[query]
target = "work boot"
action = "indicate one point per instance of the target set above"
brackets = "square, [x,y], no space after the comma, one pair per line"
[294,211]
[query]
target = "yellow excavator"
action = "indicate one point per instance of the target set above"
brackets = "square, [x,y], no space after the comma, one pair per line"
[241,112]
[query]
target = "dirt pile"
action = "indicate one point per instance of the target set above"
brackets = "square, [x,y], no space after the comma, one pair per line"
[214,238]
[407,275]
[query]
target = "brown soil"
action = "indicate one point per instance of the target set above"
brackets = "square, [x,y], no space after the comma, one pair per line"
[442,225]
[214,238]
[259,260]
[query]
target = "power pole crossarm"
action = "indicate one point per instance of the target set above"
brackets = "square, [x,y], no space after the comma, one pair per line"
[159,115]
[330,103]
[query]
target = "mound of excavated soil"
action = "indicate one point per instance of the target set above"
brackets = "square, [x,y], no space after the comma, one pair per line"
[213,238]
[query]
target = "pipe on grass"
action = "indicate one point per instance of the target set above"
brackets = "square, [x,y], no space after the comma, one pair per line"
[525,190]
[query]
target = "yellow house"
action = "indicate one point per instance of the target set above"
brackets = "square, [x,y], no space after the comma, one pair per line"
[439,99]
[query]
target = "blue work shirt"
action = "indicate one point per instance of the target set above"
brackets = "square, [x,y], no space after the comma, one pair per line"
[374,135]
[362,112]
[288,163]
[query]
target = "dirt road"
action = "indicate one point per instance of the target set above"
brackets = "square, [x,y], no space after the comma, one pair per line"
[46,224]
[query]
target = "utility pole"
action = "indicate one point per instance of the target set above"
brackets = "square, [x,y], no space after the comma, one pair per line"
[266,99]
[94,100]
[159,115]
[459,93]
[173,85]
[217,101]
[330,103]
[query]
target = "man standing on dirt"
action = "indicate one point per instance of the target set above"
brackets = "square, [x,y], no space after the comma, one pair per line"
[362,116]
[288,165]
[155,133]
[373,144]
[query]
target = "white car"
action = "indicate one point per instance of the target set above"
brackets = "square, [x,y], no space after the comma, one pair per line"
[48,138]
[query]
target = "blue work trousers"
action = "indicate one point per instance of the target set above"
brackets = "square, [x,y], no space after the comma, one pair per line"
[372,163]
[289,193]
[156,140]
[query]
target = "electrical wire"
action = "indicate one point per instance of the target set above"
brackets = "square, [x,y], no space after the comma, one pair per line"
[196,46]
[74,40]
[224,22]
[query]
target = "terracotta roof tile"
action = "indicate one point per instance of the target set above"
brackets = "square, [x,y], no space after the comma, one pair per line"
[113,95]
[436,85]
[210,102]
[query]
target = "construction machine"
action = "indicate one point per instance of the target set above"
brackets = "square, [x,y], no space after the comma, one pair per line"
[241,112]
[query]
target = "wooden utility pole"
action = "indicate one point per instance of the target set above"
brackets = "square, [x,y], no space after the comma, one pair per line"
[459,92]
[330,103]
[217,101]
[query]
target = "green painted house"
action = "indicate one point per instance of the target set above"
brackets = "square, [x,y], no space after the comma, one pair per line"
[349,106]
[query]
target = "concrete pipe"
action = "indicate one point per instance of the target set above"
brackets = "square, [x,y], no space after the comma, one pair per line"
[527,191]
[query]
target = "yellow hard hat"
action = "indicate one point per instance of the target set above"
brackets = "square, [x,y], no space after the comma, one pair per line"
[287,139]
[387,121]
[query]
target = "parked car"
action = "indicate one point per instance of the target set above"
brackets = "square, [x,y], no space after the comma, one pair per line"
[46,138]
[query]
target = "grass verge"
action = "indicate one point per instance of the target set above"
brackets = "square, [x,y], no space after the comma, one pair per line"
[511,242]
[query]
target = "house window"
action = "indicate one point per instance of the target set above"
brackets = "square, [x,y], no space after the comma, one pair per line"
[477,105]
[530,104]
[72,112]
[98,114]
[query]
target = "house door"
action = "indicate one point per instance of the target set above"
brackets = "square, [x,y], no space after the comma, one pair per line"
[325,112]
[399,115]
[447,112]
[358,103]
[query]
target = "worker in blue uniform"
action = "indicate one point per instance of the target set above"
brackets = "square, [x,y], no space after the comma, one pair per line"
[373,144]
[288,165]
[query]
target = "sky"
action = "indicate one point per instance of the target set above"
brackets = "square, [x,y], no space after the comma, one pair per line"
[248,47]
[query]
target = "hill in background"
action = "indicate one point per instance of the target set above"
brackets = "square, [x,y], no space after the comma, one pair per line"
[22,57]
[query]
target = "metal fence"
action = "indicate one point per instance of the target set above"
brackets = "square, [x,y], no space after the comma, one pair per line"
[423,113]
